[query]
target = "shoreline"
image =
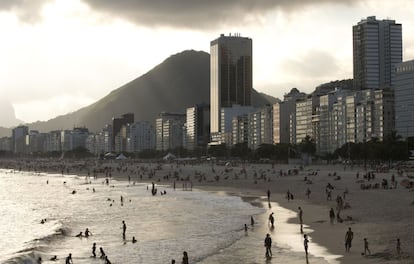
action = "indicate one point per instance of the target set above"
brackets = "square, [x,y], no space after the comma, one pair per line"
[366,205]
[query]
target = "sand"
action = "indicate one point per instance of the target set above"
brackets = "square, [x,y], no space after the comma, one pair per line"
[380,215]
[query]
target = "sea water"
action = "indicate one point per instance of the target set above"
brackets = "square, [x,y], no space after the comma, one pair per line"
[210,227]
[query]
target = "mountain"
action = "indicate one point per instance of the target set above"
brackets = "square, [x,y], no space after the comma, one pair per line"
[181,81]
[7,116]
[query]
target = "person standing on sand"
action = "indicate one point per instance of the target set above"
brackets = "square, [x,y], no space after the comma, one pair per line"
[123,229]
[268,195]
[332,215]
[348,239]
[300,215]
[94,250]
[272,219]
[398,246]
[305,243]
[268,245]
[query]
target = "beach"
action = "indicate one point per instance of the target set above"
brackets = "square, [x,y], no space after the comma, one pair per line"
[379,214]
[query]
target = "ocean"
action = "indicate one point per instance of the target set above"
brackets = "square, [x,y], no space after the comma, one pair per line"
[209,226]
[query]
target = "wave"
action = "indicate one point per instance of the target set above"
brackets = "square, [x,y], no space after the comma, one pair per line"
[35,248]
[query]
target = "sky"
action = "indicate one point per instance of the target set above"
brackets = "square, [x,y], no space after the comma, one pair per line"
[57,56]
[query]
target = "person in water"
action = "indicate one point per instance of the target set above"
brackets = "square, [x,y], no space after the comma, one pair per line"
[69,259]
[102,253]
[185,258]
[134,240]
[87,233]
[107,260]
[79,235]
[54,258]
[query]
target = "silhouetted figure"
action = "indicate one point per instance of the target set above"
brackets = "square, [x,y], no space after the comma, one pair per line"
[332,215]
[366,248]
[272,219]
[185,258]
[94,250]
[305,243]
[300,215]
[79,235]
[87,232]
[102,253]
[54,258]
[69,259]
[268,245]
[348,239]
[251,221]
[123,229]
[134,240]
[398,246]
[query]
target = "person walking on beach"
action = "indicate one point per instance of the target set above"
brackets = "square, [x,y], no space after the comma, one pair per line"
[123,229]
[94,250]
[268,245]
[268,195]
[272,219]
[300,215]
[332,215]
[185,258]
[398,246]
[348,239]
[69,259]
[308,192]
[305,243]
[366,247]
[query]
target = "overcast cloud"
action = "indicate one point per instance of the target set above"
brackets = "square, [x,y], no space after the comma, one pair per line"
[173,13]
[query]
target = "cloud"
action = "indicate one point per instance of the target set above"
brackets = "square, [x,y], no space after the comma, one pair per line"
[26,11]
[196,13]
[313,64]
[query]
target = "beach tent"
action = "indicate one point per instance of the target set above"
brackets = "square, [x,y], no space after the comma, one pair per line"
[109,155]
[169,156]
[121,157]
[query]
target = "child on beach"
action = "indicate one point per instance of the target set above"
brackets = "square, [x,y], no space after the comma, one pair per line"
[366,247]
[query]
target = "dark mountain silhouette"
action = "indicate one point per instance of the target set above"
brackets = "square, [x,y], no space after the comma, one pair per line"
[179,82]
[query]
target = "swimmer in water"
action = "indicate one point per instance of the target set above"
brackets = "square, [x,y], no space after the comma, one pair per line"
[87,233]
[69,259]
[79,235]
[54,258]
[134,240]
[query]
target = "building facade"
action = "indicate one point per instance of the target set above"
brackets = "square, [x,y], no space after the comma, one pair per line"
[197,127]
[377,48]
[169,131]
[231,77]
[404,98]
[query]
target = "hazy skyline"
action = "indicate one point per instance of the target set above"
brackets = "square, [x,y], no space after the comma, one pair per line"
[57,56]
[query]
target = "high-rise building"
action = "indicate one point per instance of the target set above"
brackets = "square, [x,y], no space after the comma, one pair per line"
[169,131]
[377,48]
[117,124]
[231,79]
[19,138]
[404,98]
[198,126]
